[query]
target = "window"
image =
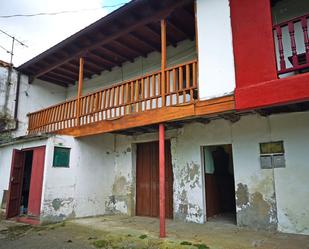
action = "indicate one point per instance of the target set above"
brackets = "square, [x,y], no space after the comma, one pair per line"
[61,157]
[272,155]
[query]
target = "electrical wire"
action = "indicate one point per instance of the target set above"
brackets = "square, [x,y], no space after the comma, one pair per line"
[60,12]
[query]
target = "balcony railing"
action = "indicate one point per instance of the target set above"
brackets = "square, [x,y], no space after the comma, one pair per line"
[133,96]
[292,44]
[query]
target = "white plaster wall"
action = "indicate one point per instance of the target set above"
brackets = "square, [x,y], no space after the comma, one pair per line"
[215,49]
[11,89]
[6,161]
[35,96]
[185,51]
[291,183]
[98,181]
[279,196]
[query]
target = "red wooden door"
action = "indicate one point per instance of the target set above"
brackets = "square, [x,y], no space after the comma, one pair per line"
[147,180]
[35,192]
[16,177]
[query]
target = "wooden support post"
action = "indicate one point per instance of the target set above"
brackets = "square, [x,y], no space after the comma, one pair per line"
[163,59]
[80,89]
[162,180]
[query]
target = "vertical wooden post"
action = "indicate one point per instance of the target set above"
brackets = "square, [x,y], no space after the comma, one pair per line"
[80,89]
[162,180]
[163,59]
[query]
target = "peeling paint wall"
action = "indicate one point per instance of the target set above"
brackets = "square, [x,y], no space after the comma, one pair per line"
[98,181]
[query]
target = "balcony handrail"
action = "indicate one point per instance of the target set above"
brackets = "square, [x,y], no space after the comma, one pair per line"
[298,60]
[286,23]
[134,95]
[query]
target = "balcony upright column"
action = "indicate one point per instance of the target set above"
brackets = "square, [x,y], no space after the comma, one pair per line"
[162,180]
[80,89]
[163,59]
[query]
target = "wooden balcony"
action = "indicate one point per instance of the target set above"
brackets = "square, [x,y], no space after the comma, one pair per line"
[137,96]
[292,45]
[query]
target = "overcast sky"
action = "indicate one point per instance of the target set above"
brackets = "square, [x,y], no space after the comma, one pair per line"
[42,32]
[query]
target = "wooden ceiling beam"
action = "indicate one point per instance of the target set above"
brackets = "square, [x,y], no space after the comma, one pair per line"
[146,41]
[116,53]
[127,47]
[145,20]
[54,81]
[70,80]
[106,63]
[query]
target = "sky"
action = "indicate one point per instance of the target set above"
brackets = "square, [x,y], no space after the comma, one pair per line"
[41,32]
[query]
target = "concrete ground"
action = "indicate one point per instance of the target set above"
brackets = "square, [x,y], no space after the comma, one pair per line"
[140,232]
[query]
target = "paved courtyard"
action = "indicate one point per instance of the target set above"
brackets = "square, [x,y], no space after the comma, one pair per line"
[140,232]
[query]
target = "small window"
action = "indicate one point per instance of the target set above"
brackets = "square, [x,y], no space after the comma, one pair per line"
[272,155]
[61,157]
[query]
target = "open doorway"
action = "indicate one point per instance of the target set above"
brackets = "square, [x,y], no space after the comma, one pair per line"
[26,182]
[219,183]
[25,190]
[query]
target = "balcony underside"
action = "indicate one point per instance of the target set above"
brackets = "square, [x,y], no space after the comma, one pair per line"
[151,117]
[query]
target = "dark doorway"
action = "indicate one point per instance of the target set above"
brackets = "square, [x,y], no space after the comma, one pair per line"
[26,181]
[147,180]
[219,179]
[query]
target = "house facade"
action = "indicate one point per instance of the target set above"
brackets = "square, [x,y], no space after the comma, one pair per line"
[189,110]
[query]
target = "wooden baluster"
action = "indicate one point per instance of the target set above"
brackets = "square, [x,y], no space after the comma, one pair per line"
[306,40]
[116,99]
[142,93]
[188,83]
[148,93]
[153,81]
[85,104]
[168,86]
[99,107]
[293,44]
[112,110]
[60,116]
[280,47]
[137,95]
[104,105]
[108,111]
[194,71]
[69,117]
[126,110]
[181,82]
[132,97]
[122,99]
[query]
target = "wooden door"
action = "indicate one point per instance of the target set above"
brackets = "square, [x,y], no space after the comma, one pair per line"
[15,187]
[147,180]
[35,192]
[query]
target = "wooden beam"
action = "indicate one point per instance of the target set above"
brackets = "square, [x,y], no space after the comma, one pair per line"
[116,53]
[157,16]
[138,39]
[215,106]
[61,76]
[54,81]
[133,120]
[162,180]
[106,63]
[128,48]
[79,89]
[163,59]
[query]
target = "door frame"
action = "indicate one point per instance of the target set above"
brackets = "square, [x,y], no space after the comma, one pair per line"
[24,150]
[204,174]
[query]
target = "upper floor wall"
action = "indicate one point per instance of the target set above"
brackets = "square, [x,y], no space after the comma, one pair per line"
[215,48]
